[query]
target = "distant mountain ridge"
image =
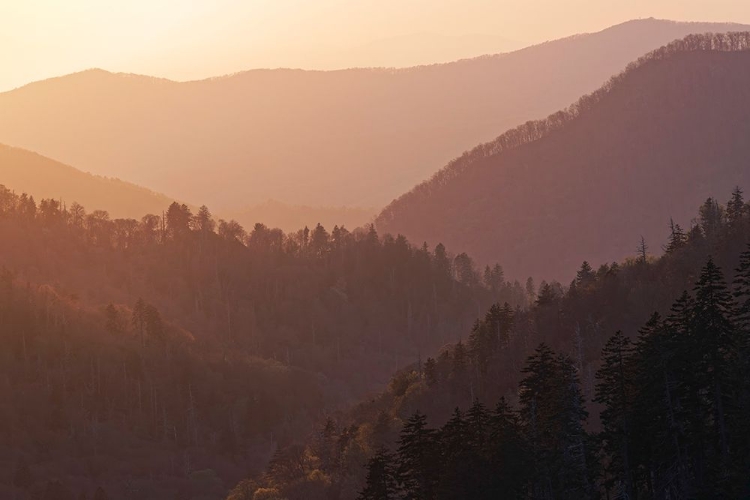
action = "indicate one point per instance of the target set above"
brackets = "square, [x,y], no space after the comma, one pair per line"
[354,138]
[27,172]
[662,136]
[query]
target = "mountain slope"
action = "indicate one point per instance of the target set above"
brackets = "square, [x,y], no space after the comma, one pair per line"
[662,136]
[353,137]
[26,172]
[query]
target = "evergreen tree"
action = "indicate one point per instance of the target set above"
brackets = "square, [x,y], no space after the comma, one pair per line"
[715,341]
[508,454]
[677,238]
[736,209]
[381,482]
[616,392]
[418,469]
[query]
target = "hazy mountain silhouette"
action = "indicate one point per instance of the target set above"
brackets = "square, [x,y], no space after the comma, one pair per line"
[661,137]
[27,172]
[353,137]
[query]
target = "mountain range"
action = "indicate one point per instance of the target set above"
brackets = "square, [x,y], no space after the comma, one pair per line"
[355,138]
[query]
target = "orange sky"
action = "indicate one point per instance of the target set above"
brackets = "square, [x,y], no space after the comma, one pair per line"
[187,39]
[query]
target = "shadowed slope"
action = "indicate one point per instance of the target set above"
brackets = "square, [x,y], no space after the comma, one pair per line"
[660,137]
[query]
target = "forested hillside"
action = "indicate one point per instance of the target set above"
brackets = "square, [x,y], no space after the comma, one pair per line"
[26,172]
[634,386]
[174,354]
[354,138]
[591,179]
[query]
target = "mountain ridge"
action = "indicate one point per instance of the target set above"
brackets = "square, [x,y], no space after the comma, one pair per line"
[353,138]
[502,168]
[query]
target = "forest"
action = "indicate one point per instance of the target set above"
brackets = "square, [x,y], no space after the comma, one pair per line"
[634,385]
[172,355]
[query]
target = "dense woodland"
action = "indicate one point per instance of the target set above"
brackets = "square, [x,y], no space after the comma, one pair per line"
[171,355]
[635,385]
[667,131]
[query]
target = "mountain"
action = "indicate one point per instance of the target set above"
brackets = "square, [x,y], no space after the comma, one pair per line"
[26,172]
[590,181]
[355,137]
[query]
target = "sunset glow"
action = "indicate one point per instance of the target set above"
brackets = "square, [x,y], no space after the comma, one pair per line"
[201,38]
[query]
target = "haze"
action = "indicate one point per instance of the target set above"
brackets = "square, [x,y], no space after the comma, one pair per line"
[199,39]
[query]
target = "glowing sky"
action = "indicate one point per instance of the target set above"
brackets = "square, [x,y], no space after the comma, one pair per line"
[186,39]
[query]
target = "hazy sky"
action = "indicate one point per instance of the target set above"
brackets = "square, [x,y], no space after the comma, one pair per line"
[185,39]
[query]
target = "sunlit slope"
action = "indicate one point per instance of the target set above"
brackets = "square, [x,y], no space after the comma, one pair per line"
[26,172]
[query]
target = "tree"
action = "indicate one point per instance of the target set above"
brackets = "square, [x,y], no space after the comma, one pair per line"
[203,222]
[711,217]
[231,231]
[381,482]
[508,454]
[530,290]
[112,319]
[615,390]
[715,340]
[178,220]
[585,275]
[553,413]
[418,471]
[642,251]
[736,209]
[677,238]
[465,272]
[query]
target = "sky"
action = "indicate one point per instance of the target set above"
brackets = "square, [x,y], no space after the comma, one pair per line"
[191,39]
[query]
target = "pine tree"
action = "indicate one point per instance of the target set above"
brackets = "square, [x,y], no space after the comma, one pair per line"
[418,460]
[715,341]
[642,251]
[741,292]
[736,209]
[677,238]
[711,217]
[585,275]
[552,412]
[380,483]
[455,454]
[615,390]
[508,454]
